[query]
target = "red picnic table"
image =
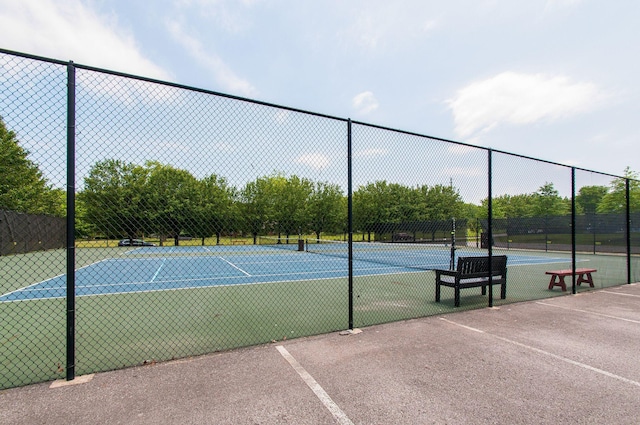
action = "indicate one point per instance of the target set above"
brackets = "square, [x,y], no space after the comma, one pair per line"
[557,277]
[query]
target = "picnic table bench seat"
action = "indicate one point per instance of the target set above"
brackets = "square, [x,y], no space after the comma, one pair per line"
[473,272]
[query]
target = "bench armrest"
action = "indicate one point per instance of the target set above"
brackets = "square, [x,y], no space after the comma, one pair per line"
[446,272]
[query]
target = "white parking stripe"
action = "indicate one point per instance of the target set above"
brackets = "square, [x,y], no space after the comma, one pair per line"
[337,413]
[608,316]
[546,353]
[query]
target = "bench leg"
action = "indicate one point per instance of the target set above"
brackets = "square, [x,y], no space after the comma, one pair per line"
[457,297]
[503,291]
[559,283]
[437,292]
[588,279]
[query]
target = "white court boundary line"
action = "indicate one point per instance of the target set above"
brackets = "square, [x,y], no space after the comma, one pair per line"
[233,265]
[546,353]
[608,316]
[335,410]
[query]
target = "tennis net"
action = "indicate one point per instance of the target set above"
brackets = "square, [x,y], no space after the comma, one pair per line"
[289,244]
[422,256]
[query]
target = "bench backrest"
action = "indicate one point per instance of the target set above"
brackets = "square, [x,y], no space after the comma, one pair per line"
[479,266]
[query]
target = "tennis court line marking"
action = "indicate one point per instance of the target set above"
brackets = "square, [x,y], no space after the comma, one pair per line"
[191,286]
[233,265]
[164,260]
[547,353]
[608,316]
[335,410]
[26,288]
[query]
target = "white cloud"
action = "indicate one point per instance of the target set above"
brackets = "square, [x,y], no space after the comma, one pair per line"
[365,103]
[221,71]
[70,30]
[519,99]
[126,91]
[316,161]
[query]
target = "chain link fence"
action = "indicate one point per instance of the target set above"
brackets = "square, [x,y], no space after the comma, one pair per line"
[197,222]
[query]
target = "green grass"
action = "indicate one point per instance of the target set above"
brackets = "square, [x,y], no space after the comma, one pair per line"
[114,331]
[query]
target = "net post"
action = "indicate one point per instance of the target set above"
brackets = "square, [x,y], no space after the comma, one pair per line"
[452,260]
[71,191]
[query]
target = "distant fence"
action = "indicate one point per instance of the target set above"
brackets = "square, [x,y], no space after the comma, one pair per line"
[595,233]
[421,231]
[207,199]
[21,233]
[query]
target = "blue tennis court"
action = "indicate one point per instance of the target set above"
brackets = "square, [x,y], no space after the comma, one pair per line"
[149,269]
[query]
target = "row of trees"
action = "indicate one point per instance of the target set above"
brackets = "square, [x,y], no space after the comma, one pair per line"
[546,201]
[121,199]
[126,199]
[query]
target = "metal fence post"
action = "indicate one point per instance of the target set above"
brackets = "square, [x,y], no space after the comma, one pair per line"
[490,226]
[350,220]
[573,229]
[628,229]
[71,193]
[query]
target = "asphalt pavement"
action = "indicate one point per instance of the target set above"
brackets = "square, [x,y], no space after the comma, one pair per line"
[569,360]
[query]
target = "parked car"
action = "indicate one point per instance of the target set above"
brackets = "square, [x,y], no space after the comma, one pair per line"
[134,242]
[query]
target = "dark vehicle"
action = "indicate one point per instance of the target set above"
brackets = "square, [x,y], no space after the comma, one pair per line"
[134,242]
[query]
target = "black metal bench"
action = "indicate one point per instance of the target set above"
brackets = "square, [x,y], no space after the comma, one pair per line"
[473,272]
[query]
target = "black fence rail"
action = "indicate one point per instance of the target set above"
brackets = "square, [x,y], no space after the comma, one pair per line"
[196,221]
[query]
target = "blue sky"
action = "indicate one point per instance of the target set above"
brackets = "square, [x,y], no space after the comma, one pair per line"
[552,79]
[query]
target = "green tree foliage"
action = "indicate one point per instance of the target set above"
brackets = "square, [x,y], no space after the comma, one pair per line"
[23,188]
[215,208]
[276,203]
[115,198]
[376,203]
[511,206]
[547,202]
[442,202]
[257,207]
[382,202]
[615,200]
[589,197]
[125,199]
[291,196]
[326,209]
[172,195]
